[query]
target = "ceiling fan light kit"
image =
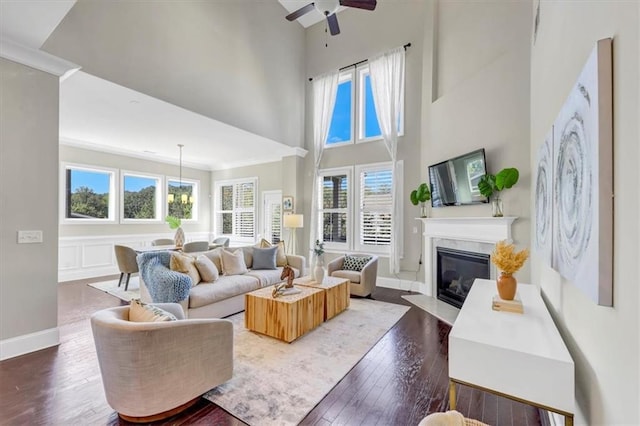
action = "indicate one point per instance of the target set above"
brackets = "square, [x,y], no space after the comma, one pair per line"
[329,8]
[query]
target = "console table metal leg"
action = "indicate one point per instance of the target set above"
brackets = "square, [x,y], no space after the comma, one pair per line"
[452,395]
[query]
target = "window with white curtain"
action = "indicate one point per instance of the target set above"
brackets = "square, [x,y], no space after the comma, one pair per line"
[235,209]
[363,225]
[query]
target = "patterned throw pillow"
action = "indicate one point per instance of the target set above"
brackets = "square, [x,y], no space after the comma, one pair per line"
[281,255]
[206,268]
[355,263]
[186,264]
[142,312]
[233,262]
[264,258]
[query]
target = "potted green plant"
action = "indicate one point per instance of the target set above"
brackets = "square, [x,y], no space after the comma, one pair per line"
[175,223]
[491,185]
[420,196]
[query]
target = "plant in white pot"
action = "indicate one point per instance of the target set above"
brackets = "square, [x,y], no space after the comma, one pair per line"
[489,185]
[318,269]
[421,196]
[175,223]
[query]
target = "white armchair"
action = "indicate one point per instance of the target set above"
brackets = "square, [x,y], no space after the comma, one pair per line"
[363,282]
[153,370]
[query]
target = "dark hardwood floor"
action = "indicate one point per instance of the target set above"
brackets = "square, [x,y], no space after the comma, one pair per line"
[402,379]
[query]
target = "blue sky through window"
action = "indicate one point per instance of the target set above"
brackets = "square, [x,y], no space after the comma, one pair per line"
[371,126]
[97,181]
[340,129]
[135,183]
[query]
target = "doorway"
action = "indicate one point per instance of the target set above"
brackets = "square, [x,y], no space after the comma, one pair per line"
[272,216]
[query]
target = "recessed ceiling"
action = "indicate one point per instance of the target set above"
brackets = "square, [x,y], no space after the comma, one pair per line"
[98,114]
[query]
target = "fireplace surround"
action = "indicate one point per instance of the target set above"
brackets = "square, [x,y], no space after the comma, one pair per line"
[474,234]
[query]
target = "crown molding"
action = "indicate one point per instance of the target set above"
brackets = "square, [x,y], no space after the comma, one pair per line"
[37,59]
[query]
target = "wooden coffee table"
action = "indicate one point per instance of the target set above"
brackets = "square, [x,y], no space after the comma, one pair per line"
[284,317]
[336,293]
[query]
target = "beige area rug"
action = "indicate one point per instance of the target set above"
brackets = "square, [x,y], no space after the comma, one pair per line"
[278,383]
[112,288]
[439,309]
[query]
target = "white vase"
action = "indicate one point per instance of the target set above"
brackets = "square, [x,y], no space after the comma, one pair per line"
[318,273]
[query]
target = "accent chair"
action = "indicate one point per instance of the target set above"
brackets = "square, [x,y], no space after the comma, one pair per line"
[127,263]
[361,270]
[154,370]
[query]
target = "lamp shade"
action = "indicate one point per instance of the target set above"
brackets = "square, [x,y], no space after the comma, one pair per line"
[293,221]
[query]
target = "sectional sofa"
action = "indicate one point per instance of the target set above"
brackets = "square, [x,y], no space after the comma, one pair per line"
[218,298]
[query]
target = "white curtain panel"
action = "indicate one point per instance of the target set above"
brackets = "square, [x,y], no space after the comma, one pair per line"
[325,88]
[387,85]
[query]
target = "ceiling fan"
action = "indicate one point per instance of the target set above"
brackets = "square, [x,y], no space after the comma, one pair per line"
[329,9]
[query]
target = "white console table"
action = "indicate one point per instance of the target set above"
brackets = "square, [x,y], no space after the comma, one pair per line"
[518,356]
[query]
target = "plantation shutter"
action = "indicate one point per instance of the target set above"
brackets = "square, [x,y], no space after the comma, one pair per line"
[375,207]
[244,213]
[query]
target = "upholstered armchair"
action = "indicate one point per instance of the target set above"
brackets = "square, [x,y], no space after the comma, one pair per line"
[363,281]
[153,370]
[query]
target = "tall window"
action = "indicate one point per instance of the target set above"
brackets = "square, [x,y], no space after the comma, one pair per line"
[363,225]
[375,207]
[140,197]
[235,211]
[89,194]
[182,199]
[355,112]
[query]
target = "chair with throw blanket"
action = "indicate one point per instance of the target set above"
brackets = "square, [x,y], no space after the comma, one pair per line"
[360,269]
[155,363]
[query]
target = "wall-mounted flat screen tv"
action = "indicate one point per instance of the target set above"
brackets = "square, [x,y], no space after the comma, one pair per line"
[455,182]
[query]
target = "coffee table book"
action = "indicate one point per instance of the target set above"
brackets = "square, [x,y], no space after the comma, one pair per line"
[514,305]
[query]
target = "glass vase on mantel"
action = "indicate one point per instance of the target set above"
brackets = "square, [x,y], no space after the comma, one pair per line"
[423,210]
[318,269]
[496,207]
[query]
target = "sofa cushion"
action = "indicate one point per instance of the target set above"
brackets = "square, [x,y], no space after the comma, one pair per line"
[269,277]
[185,264]
[264,258]
[281,255]
[233,262]
[214,255]
[225,287]
[206,268]
[352,276]
[142,312]
[355,263]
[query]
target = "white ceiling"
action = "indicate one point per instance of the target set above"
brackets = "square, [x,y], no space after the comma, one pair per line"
[100,115]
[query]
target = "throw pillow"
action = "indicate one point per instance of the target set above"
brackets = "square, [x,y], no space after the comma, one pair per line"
[264,258]
[186,264]
[355,263]
[233,262]
[142,312]
[281,255]
[206,268]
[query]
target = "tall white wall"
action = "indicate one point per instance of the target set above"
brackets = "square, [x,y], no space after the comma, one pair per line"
[604,341]
[236,61]
[476,95]
[29,172]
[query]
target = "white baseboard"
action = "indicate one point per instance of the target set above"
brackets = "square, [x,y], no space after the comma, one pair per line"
[400,284]
[20,345]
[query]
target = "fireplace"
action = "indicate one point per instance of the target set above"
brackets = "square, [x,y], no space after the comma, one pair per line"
[456,270]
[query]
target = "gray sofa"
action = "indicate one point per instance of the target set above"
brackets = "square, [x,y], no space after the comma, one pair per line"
[224,296]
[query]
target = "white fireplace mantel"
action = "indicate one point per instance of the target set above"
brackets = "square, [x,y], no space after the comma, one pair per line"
[474,229]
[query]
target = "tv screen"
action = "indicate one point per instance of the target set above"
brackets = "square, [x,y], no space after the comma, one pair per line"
[455,182]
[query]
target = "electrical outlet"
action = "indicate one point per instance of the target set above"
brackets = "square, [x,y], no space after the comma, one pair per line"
[29,237]
[415,229]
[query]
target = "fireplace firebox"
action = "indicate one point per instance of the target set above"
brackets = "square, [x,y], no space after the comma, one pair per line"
[456,271]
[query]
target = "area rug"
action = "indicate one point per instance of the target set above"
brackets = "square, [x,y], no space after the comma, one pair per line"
[439,309]
[111,287]
[278,383]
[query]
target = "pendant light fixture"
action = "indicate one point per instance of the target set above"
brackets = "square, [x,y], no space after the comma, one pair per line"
[183,196]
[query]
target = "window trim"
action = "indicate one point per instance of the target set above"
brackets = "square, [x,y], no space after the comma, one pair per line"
[348,171]
[343,77]
[216,207]
[113,195]
[159,198]
[196,194]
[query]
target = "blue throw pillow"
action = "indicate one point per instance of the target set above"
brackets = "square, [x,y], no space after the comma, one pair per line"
[355,263]
[264,258]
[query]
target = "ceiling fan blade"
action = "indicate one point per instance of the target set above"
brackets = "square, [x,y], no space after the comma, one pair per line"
[360,4]
[302,11]
[332,20]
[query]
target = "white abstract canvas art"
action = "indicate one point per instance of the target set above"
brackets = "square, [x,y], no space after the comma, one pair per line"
[582,186]
[544,200]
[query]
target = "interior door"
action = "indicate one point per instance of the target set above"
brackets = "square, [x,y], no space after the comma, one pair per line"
[272,216]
